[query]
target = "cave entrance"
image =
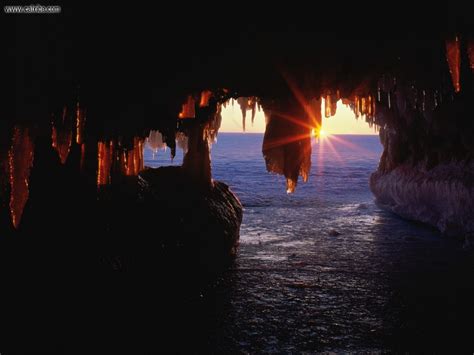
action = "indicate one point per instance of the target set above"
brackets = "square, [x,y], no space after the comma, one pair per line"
[243,125]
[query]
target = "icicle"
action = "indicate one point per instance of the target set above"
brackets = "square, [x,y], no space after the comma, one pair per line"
[104,162]
[155,141]
[212,126]
[356,107]
[80,120]
[389,100]
[188,110]
[286,144]
[182,142]
[20,162]
[378,93]
[327,106]
[83,156]
[305,167]
[132,160]
[333,105]
[244,105]
[316,115]
[61,139]
[453,55]
[290,186]
[205,96]
[470,52]
[253,105]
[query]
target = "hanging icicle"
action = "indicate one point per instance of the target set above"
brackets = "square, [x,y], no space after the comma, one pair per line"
[188,110]
[453,55]
[20,162]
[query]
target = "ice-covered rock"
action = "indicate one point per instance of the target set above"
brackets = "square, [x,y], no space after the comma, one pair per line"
[442,197]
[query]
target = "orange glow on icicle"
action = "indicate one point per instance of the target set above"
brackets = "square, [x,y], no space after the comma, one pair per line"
[80,120]
[205,96]
[104,162]
[61,137]
[453,55]
[327,106]
[188,110]
[61,141]
[20,162]
[132,160]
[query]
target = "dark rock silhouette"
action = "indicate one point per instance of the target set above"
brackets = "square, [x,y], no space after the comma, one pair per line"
[205,221]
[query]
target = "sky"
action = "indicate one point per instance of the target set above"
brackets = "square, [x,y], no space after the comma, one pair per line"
[344,122]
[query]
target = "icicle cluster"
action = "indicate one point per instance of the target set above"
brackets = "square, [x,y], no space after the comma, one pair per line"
[115,160]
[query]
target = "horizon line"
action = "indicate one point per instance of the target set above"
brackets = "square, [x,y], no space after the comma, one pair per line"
[330,134]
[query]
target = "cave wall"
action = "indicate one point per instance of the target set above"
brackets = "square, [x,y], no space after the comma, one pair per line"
[414,81]
[426,171]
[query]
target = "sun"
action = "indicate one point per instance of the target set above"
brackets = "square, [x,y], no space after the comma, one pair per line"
[319,133]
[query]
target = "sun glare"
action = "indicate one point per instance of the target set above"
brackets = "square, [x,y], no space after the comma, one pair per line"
[321,133]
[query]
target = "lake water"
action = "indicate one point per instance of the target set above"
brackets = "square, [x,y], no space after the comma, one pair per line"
[325,269]
[322,269]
